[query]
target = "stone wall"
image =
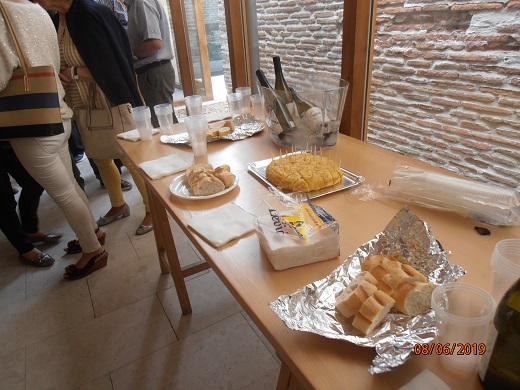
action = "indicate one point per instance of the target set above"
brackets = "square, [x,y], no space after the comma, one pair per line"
[446,75]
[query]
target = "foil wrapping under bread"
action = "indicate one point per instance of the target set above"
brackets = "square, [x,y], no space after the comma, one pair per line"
[245,126]
[312,308]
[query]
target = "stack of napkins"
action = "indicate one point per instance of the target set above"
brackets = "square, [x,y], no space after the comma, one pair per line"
[223,224]
[133,135]
[164,166]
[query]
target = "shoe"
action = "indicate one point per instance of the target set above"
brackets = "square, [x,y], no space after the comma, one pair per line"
[96,262]
[126,185]
[43,260]
[143,229]
[48,237]
[79,158]
[123,213]
[73,246]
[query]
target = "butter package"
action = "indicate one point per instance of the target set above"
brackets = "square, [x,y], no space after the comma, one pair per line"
[297,235]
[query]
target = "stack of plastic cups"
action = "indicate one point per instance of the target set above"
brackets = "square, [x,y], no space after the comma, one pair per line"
[235,104]
[164,113]
[246,102]
[143,121]
[505,262]
[193,105]
[258,109]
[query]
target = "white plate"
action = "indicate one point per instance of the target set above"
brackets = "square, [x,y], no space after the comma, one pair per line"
[181,189]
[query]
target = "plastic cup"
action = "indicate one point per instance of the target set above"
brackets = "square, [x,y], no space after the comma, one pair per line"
[258,109]
[197,126]
[142,118]
[193,105]
[235,104]
[506,266]
[164,114]
[246,102]
[462,315]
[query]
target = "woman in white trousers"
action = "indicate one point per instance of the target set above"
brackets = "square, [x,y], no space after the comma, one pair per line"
[47,158]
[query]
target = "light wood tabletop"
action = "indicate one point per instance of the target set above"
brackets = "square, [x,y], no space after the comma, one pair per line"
[309,360]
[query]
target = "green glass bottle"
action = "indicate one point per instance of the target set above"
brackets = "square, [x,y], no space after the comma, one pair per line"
[503,370]
[280,110]
[279,83]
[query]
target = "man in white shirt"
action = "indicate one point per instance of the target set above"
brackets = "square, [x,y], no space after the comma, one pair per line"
[151,43]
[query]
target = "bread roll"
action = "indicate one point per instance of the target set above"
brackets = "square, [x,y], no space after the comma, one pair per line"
[373,311]
[413,298]
[351,299]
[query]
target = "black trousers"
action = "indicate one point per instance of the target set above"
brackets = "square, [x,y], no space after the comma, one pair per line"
[29,200]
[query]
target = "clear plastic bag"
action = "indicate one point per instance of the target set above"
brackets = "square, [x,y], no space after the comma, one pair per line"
[486,203]
[293,232]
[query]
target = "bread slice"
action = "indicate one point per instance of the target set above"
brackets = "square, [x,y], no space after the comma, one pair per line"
[373,311]
[224,131]
[196,168]
[351,299]
[225,177]
[212,132]
[413,298]
[207,184]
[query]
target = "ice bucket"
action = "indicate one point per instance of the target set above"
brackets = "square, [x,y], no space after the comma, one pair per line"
[315,106]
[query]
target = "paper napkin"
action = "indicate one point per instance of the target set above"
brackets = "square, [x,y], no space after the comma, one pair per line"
[164,166]
[426,380]
[133,135]
[223,224]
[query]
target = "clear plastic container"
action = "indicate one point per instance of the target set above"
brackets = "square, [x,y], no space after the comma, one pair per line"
[316,110]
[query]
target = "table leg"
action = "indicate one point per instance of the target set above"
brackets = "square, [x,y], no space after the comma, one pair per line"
[286,380]
[166,246]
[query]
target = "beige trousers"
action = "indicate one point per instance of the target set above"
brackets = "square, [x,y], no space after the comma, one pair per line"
[48,161]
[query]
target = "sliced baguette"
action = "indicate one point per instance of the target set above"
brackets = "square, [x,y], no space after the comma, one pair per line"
[413,298]
[351,299]
[373,311]
[224,131]
[207,184]
[225,177]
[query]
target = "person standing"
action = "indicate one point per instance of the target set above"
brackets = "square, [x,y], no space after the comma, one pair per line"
[151,43]
[46,156]
[96,57]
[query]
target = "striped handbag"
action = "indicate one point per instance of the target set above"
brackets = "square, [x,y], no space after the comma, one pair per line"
[29,105]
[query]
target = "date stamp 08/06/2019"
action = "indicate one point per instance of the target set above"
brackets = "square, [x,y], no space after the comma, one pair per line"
[450,349]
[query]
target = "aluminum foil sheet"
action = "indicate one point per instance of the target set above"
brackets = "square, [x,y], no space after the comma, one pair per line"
[245,126]
[312,308]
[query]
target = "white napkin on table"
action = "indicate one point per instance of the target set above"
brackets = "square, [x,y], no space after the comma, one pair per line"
[164,166]
[133,135]
[426,380]
[223,224]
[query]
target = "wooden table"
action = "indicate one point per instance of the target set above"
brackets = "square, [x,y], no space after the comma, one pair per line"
[308,360]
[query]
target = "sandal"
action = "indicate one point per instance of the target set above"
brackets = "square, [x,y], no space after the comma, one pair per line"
[73,246]
[96,262]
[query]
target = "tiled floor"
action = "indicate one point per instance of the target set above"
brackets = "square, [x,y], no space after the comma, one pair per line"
[121,328]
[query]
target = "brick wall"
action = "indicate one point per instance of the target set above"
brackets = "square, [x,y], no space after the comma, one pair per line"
[446,75]
[446,85]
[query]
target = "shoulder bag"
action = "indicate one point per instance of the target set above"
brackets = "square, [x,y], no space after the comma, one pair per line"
[29,105]
[99,127]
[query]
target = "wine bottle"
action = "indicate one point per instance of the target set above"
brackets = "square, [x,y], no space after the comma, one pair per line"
[281,112]
[311,116]
[503,370]
[279,83]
